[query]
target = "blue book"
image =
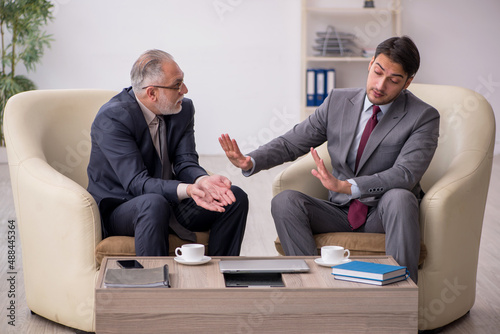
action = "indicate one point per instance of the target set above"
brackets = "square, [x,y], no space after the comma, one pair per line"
[371,281]
[369,270]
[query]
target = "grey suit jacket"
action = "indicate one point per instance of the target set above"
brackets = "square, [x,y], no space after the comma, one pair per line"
[396,155]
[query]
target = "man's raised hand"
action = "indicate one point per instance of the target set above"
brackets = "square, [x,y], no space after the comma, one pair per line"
[329,181]
[234,154]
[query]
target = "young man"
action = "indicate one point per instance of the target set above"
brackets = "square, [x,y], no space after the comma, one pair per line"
[381,140]
[144,172]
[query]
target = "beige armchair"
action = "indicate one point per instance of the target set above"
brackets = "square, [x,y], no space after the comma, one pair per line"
[48,147]
[451,213]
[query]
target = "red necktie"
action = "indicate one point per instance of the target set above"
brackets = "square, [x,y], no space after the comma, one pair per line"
[357,210]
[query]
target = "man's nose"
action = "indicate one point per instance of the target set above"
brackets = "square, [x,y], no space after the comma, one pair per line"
[184,89]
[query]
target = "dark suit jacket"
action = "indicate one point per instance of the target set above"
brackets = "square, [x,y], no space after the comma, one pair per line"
[124,162]
[396,155]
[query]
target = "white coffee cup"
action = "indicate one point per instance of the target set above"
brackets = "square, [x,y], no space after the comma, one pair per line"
[190,252]
[334,254]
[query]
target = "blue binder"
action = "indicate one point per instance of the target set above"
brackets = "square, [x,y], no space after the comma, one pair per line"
[319,83]
[311,87]
[330,80]
[320,86]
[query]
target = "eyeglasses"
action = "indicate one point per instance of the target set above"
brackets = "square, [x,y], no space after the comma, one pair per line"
[177,87]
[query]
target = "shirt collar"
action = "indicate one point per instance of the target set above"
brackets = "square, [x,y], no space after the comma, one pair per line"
[383,108]
[148,114]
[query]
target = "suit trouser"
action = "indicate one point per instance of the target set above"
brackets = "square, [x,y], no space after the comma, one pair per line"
[298,217]
[146,218]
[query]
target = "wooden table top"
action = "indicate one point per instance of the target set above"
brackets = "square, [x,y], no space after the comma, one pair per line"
[208,275]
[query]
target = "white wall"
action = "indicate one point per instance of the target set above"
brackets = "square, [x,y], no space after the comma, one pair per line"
[459,45]
[241,58]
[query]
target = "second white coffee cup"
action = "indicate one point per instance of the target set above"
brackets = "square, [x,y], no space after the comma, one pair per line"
[334,254]
[190,252]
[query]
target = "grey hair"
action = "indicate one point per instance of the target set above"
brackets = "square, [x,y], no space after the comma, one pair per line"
[147,68]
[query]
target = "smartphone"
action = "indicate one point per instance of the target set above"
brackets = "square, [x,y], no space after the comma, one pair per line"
[128,264]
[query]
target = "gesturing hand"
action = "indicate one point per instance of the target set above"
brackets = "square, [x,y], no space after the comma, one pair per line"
[234,154]
[204,199]
[329,181]
[219,188]
[212,193]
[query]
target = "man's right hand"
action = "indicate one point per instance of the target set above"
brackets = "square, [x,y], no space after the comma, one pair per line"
[204,198]
[234,154]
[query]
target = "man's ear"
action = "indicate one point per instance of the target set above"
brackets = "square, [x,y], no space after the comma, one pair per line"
[371,63]
[408,82]
[151,93]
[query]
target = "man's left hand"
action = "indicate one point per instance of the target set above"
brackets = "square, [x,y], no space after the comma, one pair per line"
[219,188]
[329,181]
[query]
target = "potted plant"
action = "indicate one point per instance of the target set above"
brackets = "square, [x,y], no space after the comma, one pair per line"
[22,42]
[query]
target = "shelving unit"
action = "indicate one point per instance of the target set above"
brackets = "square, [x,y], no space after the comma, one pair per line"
[370,26]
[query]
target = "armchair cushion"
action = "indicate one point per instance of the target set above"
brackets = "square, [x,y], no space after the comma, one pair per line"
[125,246]
[356,243]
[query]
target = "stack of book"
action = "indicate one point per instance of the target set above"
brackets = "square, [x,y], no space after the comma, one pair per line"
[370,273]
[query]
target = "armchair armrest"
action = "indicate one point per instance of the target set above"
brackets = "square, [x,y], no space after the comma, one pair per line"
[451,219]
[57,239]
[298,176]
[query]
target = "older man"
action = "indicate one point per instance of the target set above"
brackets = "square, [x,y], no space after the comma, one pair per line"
[144,172]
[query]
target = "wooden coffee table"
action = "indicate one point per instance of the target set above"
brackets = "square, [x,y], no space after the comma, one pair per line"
[199,302]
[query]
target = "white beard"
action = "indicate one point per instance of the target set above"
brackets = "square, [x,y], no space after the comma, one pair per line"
[166,107]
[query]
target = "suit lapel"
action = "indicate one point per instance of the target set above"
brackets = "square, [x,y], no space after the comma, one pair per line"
[149,154]
[391,118]
[350,119]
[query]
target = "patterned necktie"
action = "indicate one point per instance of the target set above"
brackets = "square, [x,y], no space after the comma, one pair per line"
[178,229]
[357,210]
[162,133]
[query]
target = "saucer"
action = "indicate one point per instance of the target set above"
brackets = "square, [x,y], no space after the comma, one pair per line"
[180,260]
[324,264]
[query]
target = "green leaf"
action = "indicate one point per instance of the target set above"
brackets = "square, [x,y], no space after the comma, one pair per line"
[23,41]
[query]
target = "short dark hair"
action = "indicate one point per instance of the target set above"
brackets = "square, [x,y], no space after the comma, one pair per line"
[403,51]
